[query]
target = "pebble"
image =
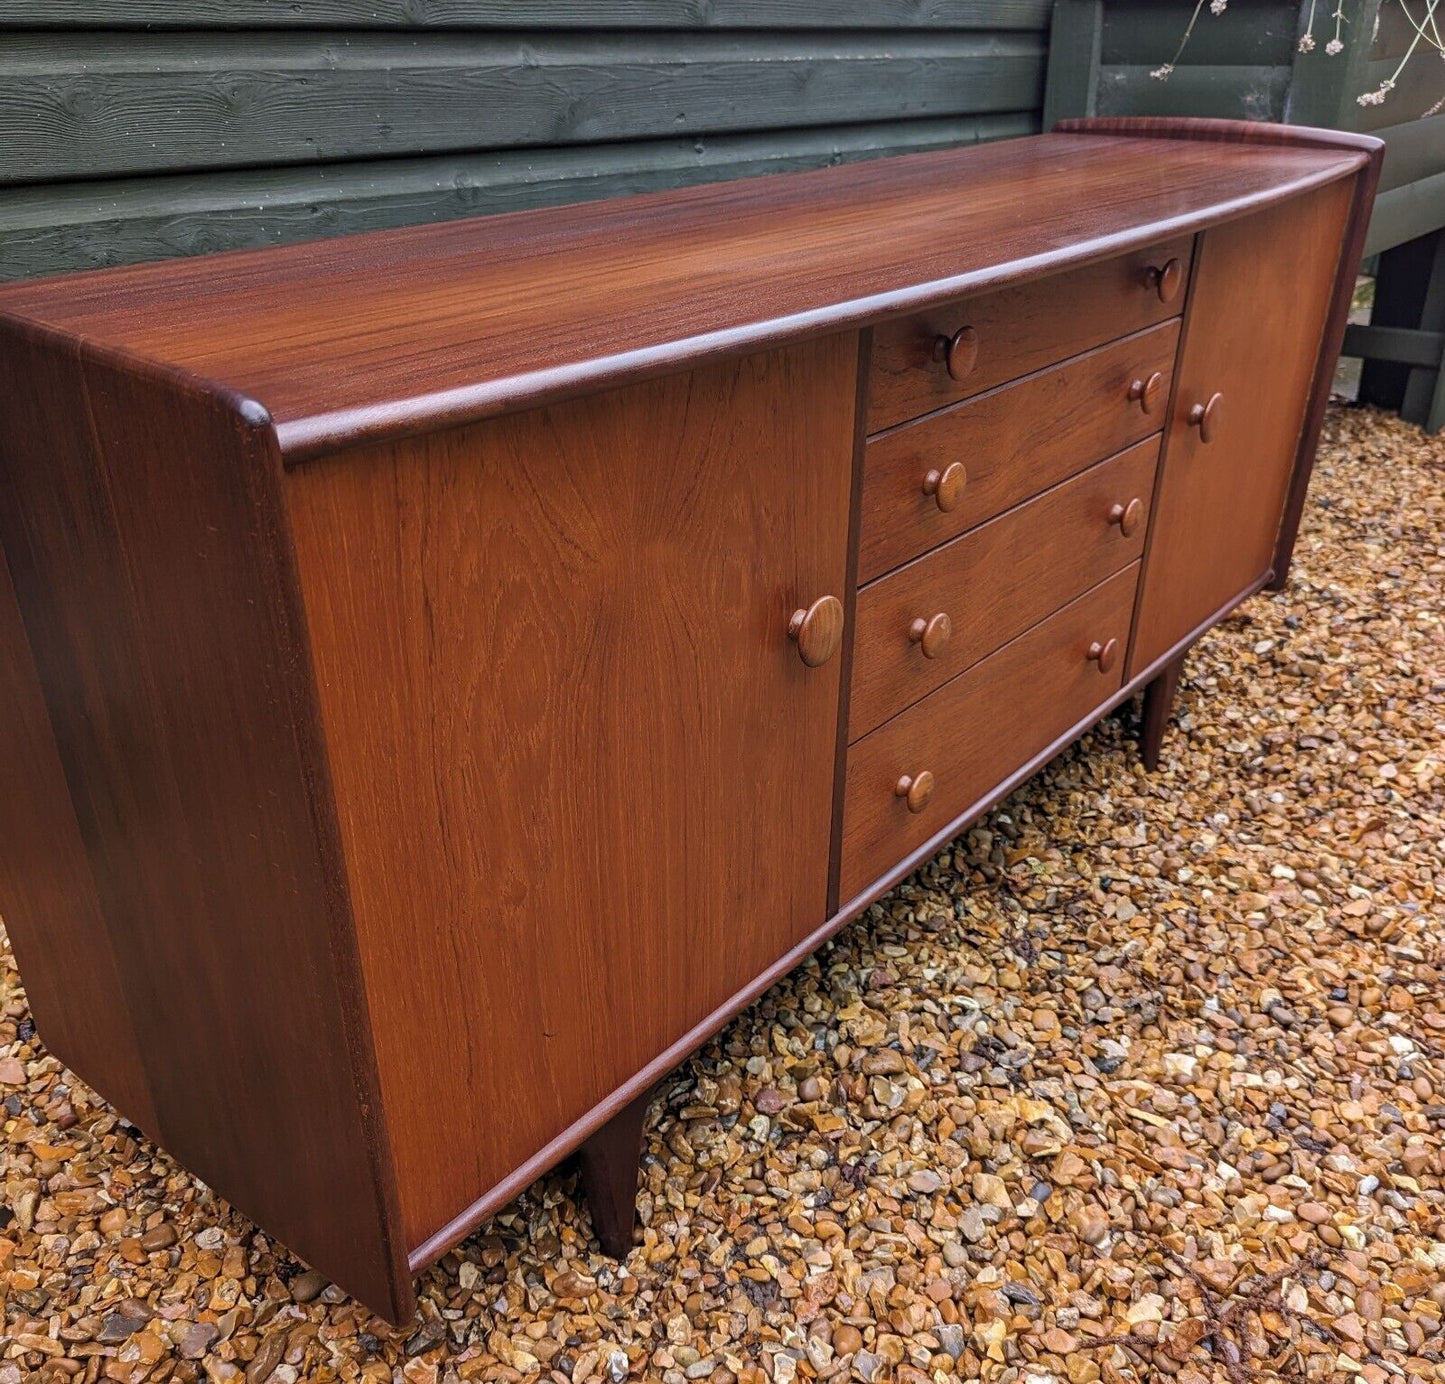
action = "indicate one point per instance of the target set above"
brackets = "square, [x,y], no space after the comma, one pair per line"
[307,1287]
[160,1237]
[1091,1224]
[1125,1023]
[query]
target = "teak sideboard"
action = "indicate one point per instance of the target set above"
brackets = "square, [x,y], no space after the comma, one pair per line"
[449,672]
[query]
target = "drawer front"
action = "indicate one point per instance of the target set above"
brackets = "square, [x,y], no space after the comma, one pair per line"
[1008,445]
[1012,331]
[925,623]
[975,731]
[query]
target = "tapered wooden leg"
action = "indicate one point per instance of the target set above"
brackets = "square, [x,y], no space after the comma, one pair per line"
[1158,703]
[609,1162]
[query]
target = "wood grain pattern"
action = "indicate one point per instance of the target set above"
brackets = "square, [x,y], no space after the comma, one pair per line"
[573,630]
[1015,331]
[1263,286]
[993,583]
[48,899]
[166,635]
[973,731]
[101,105]
[1013,442]
[503,14]
[1359,222]
[381,335]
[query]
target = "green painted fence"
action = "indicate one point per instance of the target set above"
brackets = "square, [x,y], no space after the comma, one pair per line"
[137,129]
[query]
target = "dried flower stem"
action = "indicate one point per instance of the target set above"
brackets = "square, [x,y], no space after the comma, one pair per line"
[1377,97]
[1162,73]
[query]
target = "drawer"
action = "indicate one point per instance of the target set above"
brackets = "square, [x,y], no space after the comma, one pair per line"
[974,732]
[1009,332]
[925,623]
[1007,445]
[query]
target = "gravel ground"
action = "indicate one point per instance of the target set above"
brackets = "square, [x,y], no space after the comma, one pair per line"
[1143,1077]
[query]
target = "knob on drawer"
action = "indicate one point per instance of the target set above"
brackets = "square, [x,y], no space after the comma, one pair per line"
[1146,392]
[1165,279]
[958,352]
[818,630]
[932,635]
[946,486]
[1127,516]
[1206,417]
[1105,655]
[915,790]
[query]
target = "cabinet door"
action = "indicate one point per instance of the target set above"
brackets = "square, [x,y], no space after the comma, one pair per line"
[583,774]
[1257,309]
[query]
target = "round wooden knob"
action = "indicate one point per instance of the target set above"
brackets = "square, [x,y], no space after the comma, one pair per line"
[1127,517]
[1206,417]
[817,631]
[915,790]
[958,352]
[1105,655]
[1166,279]
[932,636]
[946,486]
[1146,393]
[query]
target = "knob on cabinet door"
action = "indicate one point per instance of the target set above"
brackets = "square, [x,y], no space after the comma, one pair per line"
[1127,516]
[958,352]
[818,630]
[1165,279]
[915,789]
[946,486]
[1105,655]
[1206,417]
[1146,392]
[932,635]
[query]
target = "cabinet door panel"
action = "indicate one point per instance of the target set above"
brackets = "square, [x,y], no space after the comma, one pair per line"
[584,778]
[1261,292]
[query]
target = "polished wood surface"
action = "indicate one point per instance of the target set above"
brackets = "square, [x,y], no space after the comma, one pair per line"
[142,524]
[554,873]
[1262,288]
[1012,332]
[973,730]
[72,977]
[993,584]
[1014,442]
[511,755]
[376,335]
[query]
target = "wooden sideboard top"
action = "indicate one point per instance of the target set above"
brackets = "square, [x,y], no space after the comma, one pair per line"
[387,333]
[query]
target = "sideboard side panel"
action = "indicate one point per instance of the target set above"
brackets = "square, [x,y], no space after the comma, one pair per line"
[142,521]
[47,893]
[585,781]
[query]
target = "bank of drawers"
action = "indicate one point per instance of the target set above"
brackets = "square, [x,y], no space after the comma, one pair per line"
[916,773]
[1007,484]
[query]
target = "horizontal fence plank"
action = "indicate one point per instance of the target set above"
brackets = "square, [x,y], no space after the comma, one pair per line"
[1145,33]
[92,106]
[507,14]
[1403,345]
[1238,93]
[1406,212]
[1413,151]
[48,230]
